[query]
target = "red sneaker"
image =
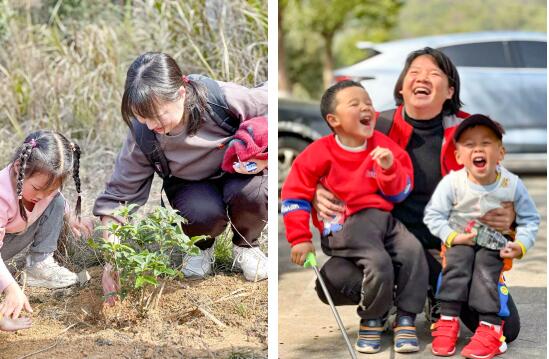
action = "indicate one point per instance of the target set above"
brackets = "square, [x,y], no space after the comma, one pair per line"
[445,333]
[486,343]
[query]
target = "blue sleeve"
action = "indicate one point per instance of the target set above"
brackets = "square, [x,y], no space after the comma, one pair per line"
[528,218]
[438,209]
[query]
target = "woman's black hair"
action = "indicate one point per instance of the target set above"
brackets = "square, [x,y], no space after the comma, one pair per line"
[155,77]
[452,105]
[49,153]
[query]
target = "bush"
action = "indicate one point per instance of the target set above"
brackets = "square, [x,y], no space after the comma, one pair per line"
[143,255]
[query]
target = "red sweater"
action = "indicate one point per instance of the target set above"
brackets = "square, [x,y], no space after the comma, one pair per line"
[352,176]
[401,132]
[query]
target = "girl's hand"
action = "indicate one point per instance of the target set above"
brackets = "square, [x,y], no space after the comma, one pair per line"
[383,157]
[82,228]
[326,203]
[15,300]
[501,218]
[260,166]
[465,239]
[299,252]
[110,284]
[511,250]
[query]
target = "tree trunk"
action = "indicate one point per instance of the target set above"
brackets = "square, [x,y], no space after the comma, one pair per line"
[284,88]
[328,60]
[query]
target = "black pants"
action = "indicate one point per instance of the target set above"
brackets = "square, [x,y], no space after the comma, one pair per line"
[471,278]
[208,205]
[344,281]
[388,255]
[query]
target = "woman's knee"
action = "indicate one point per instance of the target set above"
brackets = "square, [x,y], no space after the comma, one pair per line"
[250,197]
[205,220]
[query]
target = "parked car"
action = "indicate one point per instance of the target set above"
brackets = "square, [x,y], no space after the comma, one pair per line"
[503,75]
[299,123]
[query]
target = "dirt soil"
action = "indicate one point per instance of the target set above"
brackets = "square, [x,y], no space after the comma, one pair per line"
[73,323]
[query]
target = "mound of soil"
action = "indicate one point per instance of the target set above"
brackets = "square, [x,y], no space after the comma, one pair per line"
[218,317]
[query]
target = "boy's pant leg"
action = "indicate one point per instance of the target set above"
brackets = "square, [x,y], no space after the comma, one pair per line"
[362,238]
[454,287]
[483,294]
[410,266]
[343,279]
[42,235]
[246,199]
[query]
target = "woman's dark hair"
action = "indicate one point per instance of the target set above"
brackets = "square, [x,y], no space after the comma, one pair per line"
[155,77]
[328,102]
[49,153]
[451,106]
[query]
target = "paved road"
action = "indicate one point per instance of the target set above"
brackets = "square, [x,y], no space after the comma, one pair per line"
[308,330]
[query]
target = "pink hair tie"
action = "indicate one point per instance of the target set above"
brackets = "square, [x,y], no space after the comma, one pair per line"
[33,143]
[185,79]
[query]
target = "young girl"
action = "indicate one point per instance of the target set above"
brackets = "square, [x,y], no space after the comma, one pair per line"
[31,213]
[181,116]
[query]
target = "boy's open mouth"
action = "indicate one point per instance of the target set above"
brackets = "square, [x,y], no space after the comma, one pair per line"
[365,120]
[479,162]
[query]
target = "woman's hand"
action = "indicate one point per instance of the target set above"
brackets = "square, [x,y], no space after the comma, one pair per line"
[82,228]
[511,250]
[241,168]
[326,203]
[15,300]
[299,252]
[110,284]
[501,218]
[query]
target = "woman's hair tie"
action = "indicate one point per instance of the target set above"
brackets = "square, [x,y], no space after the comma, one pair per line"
[185,79]
[72,146]
[33,143]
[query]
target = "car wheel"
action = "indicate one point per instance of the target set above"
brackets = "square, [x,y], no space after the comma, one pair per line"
[288,149]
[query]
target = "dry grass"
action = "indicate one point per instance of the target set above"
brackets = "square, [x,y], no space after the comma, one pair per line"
[63,64]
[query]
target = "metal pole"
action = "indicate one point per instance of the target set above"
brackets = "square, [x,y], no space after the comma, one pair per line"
[311,262]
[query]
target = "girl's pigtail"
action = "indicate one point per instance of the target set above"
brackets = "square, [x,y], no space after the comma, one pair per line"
[23,158]
[76,176]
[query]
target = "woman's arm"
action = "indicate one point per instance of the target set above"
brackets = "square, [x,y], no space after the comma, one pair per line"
[130,182]
[245,102]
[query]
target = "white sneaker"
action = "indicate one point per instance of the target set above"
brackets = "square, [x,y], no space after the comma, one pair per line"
[198,266]
[48,273]
[252,262]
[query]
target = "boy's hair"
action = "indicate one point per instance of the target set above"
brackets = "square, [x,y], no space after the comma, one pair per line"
[49,153]
[328,101]
[155,77]
[452,105]
[479,120]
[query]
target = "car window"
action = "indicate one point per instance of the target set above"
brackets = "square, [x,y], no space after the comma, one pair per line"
[482,54]
[530,54]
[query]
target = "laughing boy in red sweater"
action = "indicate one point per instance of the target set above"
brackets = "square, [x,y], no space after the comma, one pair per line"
[369,172]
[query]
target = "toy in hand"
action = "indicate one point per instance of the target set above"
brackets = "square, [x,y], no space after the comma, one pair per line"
[487,237]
